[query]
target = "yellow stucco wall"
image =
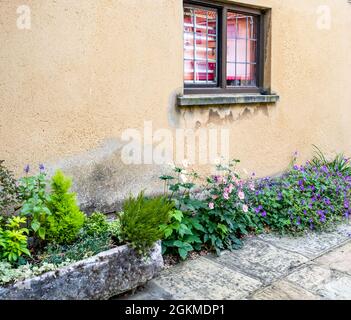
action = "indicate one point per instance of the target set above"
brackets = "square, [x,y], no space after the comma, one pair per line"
[87,70]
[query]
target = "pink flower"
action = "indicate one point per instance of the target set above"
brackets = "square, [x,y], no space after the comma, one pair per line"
[211,205]
[230,188]
[245,208]
[224,180]
[241,195]
[252,186]
[214,197]
[226,195]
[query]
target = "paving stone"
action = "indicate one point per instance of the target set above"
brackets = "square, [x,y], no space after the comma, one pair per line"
[260,260]
[322,281]
[204,279]
[310,245]
[151,291]
[339,259]
[283,290]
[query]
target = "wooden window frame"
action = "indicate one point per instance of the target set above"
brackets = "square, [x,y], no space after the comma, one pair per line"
[221,86]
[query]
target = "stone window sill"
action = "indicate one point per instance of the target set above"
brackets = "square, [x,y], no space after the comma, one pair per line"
[224,99]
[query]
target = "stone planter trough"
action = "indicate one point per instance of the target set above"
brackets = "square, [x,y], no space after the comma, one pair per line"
[99,277]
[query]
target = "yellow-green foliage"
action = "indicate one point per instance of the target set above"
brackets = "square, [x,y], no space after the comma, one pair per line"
[66,219]
[141,220]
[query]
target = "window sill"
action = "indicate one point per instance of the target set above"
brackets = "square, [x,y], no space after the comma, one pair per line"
[222,99]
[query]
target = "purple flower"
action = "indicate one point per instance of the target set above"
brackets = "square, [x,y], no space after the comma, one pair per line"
[321,214]
[41,167]
[264,214]
[304,212]
[322,218]
[298,221]
[311,226]
[26,168]
[296,167]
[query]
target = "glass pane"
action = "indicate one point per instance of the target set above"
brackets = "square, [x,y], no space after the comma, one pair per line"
[212,48]
[200,45]
[188,20]
[188,45]
[212,22]
[205,72]
[188,71]
[241,49]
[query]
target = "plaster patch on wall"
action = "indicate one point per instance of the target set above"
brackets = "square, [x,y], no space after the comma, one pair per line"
[196,117]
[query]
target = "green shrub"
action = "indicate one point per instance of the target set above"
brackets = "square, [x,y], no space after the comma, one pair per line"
[13,240]
[96,224]
[66,219]
[114,229]
[182,234]
[141,220]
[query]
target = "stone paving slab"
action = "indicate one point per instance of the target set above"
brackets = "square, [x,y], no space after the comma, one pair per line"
[260,260]
[312,244]
[284,290]
[339,259]
[268,267]
[326,283]
[205,279]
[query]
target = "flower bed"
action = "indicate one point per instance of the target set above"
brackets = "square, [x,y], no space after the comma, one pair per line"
[49,249]
[217,211]
[100,277]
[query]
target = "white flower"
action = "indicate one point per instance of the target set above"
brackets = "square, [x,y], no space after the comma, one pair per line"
[172,165]
[217,161]
[184,178]
[245,208]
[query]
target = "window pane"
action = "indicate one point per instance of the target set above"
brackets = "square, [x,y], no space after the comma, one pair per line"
[188,20]
[200,45]
[205,72]
[188,71]
[241,49]
[189,45]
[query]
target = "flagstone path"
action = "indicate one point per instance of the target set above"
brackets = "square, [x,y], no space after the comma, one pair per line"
[316,266]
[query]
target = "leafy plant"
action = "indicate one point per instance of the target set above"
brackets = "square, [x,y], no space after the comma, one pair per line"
[313,196]
[66,219]
[141,220]
[114,229]
[219,207]
[84,247]
[182,234]
[8,188]
[338,164]
[32,191]
[96,224]
[13,240]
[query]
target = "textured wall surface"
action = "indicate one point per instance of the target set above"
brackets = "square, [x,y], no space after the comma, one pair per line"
[87,70]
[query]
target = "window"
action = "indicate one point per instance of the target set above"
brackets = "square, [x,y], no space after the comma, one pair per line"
[222,48]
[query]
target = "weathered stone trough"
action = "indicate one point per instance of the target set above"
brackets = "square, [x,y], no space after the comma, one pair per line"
[99,277]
